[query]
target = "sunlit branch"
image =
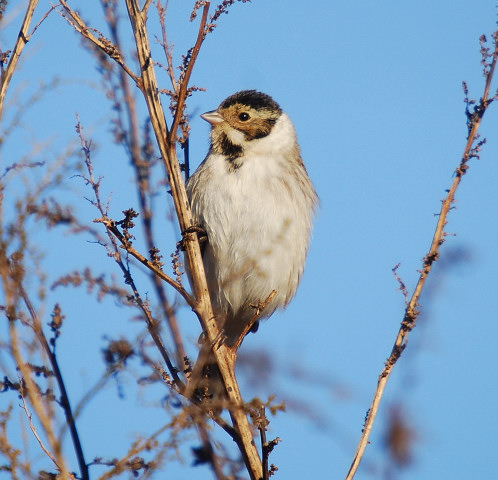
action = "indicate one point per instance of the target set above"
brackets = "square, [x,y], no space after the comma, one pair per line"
[412,309]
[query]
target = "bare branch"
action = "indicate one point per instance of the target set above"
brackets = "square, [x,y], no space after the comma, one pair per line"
[185,78]
[146,7]
[111,227]
[114,234]
[165,138]
[64,402]
[51,9]
[412,309]
[161,10]
[22,40]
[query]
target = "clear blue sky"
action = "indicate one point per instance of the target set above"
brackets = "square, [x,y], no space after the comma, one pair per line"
[375,92]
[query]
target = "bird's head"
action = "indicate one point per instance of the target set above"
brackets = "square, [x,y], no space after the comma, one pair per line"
[241,118]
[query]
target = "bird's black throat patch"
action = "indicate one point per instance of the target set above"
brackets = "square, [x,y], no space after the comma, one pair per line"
[227,148]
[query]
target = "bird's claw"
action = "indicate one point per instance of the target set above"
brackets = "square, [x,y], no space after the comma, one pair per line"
[201,235]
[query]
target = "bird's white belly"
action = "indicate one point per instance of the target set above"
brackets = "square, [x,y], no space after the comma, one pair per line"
[256,240]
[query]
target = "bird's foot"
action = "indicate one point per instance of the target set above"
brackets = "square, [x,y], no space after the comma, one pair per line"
[201,235]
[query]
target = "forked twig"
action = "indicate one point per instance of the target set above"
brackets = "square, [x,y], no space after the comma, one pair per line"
[31,425]
[111,227]
[99,41]
[412,309]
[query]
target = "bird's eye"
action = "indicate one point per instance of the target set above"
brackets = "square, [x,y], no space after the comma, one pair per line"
[244,116]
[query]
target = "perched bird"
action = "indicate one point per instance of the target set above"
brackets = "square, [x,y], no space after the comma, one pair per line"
[255,201]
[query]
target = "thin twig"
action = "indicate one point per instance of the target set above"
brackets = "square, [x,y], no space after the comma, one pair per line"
[111,227]
[260,308]
[184,81]
[35,28]
[137,447]
[146,7]
[32,427]
[64,397]
[161,10]
[100,42]
[35,399]
[263,423]
[412,309]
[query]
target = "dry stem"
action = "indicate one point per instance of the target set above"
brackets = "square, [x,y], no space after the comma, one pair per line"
[129,136]
[412,312]
[22,40]
[166,142]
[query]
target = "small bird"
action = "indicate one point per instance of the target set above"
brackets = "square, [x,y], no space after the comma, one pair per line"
[253,198]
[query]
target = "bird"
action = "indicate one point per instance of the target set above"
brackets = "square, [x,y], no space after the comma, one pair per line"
[254,200]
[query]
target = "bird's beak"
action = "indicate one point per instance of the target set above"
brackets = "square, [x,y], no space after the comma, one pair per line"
[212,117]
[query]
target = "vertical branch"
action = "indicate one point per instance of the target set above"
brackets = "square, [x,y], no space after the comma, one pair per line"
[167,147]
[21,42]
[166,139]
[412,309]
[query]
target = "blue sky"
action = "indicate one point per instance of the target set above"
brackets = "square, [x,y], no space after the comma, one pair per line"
[375,92]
